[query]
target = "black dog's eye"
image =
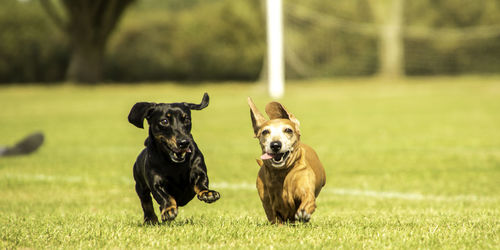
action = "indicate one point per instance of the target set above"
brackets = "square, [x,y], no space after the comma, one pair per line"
[164,122]
[265,132]
[288,130]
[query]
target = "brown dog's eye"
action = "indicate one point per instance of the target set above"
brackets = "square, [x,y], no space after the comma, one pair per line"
[164,122]
[288,130]
[265,132]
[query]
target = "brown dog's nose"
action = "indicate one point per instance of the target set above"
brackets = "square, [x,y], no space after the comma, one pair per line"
[182,144]
[275,146]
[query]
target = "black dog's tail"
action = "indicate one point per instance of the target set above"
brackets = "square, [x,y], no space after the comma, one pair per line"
[26,146]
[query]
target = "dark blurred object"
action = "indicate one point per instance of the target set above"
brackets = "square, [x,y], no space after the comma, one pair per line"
[26,146]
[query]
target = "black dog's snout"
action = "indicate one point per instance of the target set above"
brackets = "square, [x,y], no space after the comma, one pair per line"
[182,144]
[275,146]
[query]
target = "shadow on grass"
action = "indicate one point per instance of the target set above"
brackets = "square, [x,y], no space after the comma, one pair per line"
[174,223]
[207,220]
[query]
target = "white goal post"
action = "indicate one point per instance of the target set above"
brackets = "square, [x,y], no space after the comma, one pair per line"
[276,75]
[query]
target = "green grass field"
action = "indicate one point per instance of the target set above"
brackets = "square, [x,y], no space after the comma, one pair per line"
[410,164]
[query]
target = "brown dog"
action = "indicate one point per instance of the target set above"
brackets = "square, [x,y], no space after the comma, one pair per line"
[291,175]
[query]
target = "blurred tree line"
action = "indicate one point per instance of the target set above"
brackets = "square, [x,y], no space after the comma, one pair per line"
[192,40]
[369,37]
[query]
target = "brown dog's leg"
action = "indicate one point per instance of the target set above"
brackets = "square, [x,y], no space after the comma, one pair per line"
[266,201]
[306,208]
[305,193]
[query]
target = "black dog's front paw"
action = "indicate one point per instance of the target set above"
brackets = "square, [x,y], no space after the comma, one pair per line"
[150,220]
[169,213]
[302,216]
[208,196]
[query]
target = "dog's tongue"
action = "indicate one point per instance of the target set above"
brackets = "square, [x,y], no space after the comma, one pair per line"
[266,156]
[187,150]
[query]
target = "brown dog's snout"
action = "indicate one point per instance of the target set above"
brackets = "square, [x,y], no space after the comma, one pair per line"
[275,146]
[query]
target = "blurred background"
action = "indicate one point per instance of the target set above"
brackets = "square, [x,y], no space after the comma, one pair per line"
[224,40]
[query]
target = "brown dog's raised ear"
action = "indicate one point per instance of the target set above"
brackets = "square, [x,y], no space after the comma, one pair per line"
[202,105]
[139,112]
[257,118]
[276,110]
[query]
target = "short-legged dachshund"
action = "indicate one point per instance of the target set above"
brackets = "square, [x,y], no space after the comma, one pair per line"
[291,174]
[171,167]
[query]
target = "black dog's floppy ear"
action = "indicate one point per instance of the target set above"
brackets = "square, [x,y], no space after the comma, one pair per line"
[257,118]
[139,112]
[202,105]
[276,110]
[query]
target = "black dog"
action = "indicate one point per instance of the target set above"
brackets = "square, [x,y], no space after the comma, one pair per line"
[171,167]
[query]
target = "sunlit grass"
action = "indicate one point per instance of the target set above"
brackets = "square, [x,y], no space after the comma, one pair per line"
[432,141]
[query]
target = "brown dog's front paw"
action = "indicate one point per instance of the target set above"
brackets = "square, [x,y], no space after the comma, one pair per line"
[152,220]
[302,216]
[208,196]
[169,213]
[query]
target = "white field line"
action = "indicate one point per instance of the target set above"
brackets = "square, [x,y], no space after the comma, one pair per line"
[251,187]
[371,193]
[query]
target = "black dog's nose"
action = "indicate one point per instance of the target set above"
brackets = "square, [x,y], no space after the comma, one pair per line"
[275,146]
[182,144]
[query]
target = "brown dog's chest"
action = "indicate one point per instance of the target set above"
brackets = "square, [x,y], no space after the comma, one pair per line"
[281,196]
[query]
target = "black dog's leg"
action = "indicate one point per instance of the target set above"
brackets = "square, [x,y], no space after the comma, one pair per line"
[168,205]
[200,181]
[147,204]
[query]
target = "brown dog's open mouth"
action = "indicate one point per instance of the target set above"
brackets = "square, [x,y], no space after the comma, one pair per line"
[276,158]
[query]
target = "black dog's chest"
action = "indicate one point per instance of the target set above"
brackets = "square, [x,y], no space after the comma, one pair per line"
[177,174]
[176,180]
